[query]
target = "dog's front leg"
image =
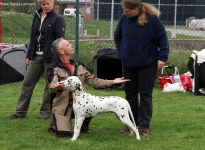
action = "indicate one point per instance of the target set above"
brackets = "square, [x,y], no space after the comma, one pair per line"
[77,127]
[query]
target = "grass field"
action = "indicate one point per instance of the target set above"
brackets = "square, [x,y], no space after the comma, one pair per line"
[177,123]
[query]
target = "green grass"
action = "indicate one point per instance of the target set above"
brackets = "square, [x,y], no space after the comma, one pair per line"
[185,37]
[177,123]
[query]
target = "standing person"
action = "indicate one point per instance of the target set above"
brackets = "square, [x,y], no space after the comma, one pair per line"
[64,66]
[143,48]
[47,26]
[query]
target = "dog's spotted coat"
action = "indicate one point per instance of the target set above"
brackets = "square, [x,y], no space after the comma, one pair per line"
[87,105]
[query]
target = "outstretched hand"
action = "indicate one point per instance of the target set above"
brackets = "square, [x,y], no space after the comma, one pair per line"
[59,86]
[120,80]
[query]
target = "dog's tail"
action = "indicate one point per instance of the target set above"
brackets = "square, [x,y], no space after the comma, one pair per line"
[131,115]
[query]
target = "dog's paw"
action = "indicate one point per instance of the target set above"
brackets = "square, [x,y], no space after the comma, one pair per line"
[73,139]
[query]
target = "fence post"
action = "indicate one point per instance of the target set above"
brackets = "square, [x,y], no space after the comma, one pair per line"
[77,30]
[0,21]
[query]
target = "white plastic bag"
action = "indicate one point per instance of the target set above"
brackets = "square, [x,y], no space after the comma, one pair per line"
[175,87]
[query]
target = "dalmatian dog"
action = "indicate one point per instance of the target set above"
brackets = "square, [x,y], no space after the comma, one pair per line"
[87,105]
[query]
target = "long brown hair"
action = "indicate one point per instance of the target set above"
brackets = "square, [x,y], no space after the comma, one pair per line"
[145,10]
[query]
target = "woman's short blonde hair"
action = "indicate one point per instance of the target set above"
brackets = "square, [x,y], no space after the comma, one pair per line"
[41,1]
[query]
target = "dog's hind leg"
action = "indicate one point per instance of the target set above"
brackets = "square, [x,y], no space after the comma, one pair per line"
[132,128]
[77,127]
[135,129]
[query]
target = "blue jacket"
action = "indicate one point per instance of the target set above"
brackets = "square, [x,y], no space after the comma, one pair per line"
[139,46]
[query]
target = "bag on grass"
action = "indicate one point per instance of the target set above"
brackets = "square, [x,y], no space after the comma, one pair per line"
[165,77]
[175,87]
[185,81]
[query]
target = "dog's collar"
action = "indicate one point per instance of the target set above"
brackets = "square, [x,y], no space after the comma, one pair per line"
[78,89]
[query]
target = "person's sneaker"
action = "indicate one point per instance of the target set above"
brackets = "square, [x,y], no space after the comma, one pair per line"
[85,130]
[144,132]
[14,117]
[125,130]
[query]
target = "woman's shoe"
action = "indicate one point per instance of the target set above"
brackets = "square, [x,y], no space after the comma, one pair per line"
[85,130]
[144,132]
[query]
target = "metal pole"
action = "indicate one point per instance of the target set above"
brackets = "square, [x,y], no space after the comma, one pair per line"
[98,10]
[86,7]
[91,9]
[175,14]
[77,30]
[0,21]
[111,23]
[159,5]
[175,18]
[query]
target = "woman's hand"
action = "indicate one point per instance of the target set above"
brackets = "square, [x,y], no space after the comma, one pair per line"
[27,61]
[160,64]
[59,86]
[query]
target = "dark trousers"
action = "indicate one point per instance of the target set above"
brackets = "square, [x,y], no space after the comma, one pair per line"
[34,72]
[142,83]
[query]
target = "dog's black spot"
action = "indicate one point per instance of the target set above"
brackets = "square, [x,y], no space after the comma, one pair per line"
[122,116]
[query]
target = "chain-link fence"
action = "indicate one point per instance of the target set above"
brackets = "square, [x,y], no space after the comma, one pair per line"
[183,19]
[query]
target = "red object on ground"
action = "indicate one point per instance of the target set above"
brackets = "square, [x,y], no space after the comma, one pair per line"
[3,46]
[164,79]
